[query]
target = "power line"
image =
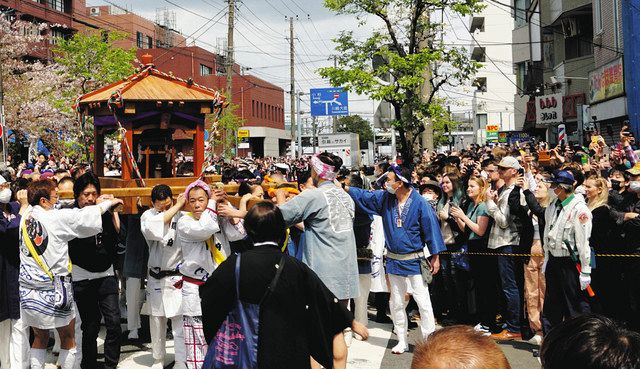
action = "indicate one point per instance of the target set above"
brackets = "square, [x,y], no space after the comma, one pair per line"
[274,8]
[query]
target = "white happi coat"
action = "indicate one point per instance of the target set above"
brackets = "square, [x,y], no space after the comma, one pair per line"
[163,298]
[50,231]
[198,263]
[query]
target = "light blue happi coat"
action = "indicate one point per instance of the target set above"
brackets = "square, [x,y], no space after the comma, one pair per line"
[330,244]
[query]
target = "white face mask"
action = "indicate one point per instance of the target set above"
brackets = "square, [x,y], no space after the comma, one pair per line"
[390,188]
[429,196]
[634,186]
[5,196]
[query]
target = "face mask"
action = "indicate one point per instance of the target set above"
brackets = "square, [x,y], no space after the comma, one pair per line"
[615,185]
[429,196]
[5,196]
[634,186]
[390,188]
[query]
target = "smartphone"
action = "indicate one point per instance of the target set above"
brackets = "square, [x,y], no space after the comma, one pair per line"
[521,171]
[584,159]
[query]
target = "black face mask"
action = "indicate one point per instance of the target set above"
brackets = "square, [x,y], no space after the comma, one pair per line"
[615,185]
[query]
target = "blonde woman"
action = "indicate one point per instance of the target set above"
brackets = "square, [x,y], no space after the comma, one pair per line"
[534,281]
[483,269]
[605,238]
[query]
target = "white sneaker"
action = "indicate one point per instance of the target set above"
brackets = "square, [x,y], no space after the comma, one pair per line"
[400,348]
[536,340]
[133,334]
[482,330]
[157,365]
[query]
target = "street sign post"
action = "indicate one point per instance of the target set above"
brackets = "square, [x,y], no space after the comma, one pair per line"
[329,101]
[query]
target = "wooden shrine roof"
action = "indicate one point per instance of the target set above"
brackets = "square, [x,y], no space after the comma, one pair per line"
[150,84]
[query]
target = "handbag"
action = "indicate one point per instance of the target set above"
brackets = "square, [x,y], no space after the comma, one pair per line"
[425,270]
[236,342]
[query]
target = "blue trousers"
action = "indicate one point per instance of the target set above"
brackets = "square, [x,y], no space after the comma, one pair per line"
[508,269]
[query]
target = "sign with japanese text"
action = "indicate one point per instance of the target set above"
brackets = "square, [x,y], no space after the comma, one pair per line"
[329,101]
[244,133]
[492,132]
[549,109]
[606,82]
[335,140]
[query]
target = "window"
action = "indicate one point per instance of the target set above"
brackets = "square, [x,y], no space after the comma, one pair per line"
[56,5]
[139,41]
[521,74]
[477,23]
[481,84]
[597,16]
[478,54]
[205,71]
[253,108]
[581,42]
[149,42]
[482,120]
[520,12]
[56,35]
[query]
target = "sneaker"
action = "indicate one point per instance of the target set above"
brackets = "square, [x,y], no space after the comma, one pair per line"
[536,340]
[482,329]
[505,335]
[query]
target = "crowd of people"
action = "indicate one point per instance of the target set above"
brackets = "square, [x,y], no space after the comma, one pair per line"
[510,241]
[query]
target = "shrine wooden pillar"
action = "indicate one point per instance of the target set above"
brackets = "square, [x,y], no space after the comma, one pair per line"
[98,152]
[126,161]
[198,149]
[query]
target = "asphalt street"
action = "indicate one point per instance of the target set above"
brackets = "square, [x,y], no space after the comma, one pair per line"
[372,354]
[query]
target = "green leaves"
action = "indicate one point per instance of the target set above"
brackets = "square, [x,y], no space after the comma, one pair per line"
[94,59]
[356,124]
[401,62]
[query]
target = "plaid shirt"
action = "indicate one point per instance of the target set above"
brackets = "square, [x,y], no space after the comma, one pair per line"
[504,231]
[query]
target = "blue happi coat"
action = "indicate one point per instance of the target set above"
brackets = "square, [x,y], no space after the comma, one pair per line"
[420,226]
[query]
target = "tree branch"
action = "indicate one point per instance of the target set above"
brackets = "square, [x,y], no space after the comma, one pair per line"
[417,11]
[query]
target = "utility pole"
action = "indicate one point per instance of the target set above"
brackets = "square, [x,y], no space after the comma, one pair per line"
[314,133]
[292,90]
[232,8]
[299,113]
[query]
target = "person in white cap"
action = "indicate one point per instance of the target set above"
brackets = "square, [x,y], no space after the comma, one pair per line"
[503,238]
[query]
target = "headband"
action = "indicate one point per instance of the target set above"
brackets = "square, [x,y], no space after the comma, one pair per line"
[197,183]
[324,171]
[398,172]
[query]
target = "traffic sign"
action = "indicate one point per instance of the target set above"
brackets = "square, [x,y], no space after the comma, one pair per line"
[329,101]
[243,133]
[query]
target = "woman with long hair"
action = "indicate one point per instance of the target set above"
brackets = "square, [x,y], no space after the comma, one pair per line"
[483,269]
[607,276]
[534,280]
[452,285]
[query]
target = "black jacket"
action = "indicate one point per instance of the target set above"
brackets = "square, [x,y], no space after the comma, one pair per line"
[298,320]
[97,253]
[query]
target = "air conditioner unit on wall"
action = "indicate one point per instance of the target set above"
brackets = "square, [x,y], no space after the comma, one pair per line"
[570,27]
[95,11]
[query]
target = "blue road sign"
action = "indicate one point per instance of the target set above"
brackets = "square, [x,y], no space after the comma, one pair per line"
[329,101]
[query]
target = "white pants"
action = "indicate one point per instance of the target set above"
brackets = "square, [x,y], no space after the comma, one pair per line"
[158,330]
[14,344]
[397,304]
[134,303]
[361,301]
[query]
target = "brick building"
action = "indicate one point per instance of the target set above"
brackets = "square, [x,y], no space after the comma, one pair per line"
[261,103]
[58,14]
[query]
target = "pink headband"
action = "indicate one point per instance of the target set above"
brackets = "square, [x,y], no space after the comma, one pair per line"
[325,171]
[197,183]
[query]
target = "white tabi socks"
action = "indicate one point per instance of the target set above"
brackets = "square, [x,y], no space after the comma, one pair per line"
[67,358]
[37,358]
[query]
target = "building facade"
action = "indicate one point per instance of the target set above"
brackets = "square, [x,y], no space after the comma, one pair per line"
[571,62]
[494,82]
[57,14]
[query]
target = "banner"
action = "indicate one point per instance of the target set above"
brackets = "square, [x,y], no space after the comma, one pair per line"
[606,82]
[549,109]
[492,132]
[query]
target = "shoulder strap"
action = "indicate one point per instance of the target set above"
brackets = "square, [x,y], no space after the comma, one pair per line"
[274,282]
[32,249]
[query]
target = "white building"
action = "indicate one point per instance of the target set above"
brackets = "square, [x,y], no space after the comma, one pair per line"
[495,81]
